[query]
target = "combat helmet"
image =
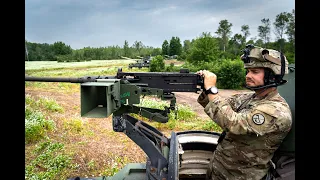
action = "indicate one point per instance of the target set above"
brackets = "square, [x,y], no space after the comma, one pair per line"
[274,62]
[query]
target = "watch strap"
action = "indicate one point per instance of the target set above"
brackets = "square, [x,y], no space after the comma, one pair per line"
[208,91]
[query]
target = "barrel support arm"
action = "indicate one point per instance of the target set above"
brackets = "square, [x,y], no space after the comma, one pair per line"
[151,141]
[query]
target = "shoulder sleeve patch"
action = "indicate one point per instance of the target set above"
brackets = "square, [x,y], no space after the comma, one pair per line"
[258,118]
[260,122]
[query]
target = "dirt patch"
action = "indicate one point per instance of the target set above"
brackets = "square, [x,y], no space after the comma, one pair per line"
[174,61]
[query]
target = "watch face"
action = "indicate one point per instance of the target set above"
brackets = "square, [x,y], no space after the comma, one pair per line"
[214,90]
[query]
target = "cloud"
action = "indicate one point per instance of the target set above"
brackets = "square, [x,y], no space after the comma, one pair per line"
[160,11]
[96,23]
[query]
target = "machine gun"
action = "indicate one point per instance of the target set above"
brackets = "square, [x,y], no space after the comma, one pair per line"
[102,96]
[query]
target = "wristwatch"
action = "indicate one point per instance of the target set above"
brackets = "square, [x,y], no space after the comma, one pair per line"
[212,90]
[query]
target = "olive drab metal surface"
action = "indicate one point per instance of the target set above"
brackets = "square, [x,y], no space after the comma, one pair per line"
[287,91]
[129,94]
[131,171]
[100,99]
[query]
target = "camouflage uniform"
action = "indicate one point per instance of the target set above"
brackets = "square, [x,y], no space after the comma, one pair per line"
[252,134]
[255,126]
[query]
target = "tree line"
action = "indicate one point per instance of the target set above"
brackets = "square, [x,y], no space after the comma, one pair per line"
[223,44]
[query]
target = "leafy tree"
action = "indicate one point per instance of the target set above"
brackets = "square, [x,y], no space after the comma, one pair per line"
[156,51]
[224,32]
[291,28]
[138,46]
[245,32]
[186,45]
[165,47]
[280,25]
[264,31]
[236,43]
[126,48]
[60,48]
[204,49]
[251,41]
[175,47]
[259,43]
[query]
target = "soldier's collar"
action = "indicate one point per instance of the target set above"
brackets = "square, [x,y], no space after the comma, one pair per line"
[268,95]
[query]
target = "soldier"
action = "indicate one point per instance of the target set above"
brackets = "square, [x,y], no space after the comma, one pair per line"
[254,123]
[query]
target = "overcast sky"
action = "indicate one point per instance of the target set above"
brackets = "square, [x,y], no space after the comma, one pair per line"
[101,23]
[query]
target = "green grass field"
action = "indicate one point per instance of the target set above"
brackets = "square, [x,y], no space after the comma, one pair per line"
[32,65]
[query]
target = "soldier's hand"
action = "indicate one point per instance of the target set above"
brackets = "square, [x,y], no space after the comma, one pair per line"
[210,78]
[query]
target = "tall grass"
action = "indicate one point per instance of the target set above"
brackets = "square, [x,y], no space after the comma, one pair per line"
[49,162]
[36,125]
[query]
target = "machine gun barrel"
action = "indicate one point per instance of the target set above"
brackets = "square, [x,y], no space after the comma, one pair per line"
[182,81]
[67,79]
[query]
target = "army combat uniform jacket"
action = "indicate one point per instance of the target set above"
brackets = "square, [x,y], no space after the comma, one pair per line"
[253,133]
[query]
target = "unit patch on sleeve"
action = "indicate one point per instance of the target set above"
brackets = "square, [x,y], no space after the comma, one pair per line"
[258,119]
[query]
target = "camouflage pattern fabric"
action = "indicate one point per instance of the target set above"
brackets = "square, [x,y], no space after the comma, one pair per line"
[274,67]
[253,133]
[273,62]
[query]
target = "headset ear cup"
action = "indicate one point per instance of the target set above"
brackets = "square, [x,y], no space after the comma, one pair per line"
[266,76]
[264,52]
[269,77]
[278,79]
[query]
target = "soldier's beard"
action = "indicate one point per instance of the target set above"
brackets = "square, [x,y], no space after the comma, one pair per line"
[251,83]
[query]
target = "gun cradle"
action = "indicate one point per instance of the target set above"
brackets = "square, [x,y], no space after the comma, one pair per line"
[152,142]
